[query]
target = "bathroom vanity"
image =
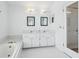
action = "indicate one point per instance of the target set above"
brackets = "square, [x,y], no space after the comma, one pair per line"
[38,38]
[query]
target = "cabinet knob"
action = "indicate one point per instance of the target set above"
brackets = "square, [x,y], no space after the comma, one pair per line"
[44,31]
[30,31]
[10,46]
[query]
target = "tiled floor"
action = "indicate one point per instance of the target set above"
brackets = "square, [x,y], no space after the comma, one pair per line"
[46,52]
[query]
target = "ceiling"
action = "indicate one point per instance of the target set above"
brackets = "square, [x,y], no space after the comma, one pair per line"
[36,4]
[74,5]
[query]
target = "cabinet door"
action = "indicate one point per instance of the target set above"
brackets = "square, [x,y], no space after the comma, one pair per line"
[26,41]
[50,39]
[35,39]
[42,39]
[47,38]
[31,39]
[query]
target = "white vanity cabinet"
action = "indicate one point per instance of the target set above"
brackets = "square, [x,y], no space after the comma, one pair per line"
[38,38]
[47,38]
[30,39]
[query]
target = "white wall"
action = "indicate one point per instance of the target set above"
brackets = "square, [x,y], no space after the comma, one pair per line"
[16,19]
[3,20]
[60,23]
[18,13]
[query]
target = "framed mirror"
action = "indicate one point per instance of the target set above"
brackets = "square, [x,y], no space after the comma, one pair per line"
[30,21]
[44,21]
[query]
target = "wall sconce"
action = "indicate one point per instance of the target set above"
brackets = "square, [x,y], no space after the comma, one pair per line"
[30,10]
[43,11]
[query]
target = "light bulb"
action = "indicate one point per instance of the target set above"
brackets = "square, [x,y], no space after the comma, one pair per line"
[30,10]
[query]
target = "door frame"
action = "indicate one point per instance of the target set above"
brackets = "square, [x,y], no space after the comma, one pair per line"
[67,50]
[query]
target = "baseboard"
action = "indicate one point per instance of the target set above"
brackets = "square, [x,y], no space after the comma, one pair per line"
[39,47]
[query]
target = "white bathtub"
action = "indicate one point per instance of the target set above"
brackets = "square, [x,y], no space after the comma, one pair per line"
[11,48]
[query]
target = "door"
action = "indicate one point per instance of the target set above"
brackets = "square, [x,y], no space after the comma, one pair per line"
[72,26]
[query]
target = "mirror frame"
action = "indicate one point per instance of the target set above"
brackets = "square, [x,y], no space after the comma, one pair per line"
[30,19]
[42,20]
